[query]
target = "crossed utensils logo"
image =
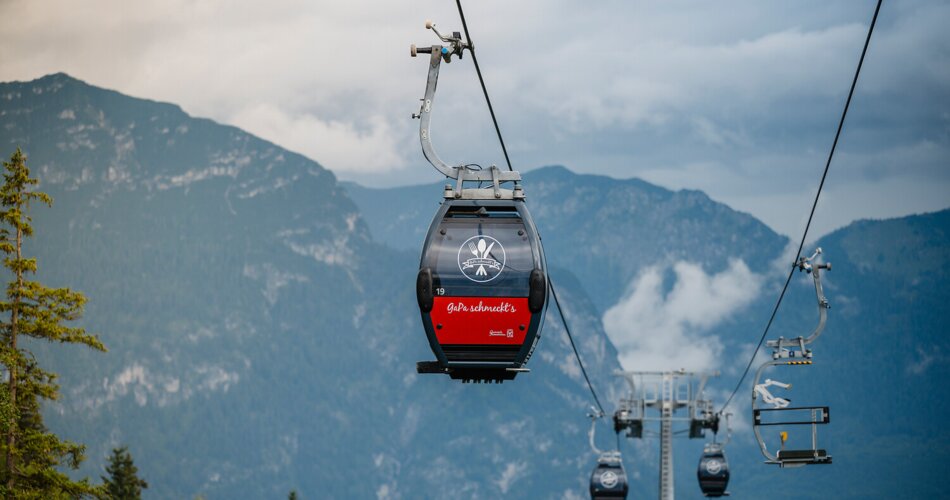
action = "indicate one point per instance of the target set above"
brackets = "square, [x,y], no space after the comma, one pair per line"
[609,479]
[477,258]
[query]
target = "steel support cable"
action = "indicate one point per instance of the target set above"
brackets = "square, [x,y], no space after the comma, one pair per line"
[573,346]
[471,48]
[814,205]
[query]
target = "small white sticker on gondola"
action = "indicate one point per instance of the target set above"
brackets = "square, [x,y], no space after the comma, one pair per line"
[481,258]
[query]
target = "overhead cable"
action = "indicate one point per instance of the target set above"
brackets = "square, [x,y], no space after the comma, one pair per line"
[471,48]
[814,205]
[573,346]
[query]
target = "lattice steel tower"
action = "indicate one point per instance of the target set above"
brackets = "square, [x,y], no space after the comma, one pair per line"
[665,393]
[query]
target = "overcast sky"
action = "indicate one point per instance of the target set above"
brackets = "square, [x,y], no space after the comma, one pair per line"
[738,99]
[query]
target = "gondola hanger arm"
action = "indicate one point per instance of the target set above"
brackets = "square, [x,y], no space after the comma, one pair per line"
[594,416]
[439,53]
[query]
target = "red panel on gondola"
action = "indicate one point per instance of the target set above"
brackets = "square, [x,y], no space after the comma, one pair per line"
[481,320]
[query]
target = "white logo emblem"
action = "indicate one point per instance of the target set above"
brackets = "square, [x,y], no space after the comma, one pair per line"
[478,258]
[713,466]
[609,479]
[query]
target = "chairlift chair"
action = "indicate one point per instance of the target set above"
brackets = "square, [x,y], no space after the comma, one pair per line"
[794,353]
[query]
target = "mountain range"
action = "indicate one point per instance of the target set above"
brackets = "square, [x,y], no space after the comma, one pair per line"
[263,333]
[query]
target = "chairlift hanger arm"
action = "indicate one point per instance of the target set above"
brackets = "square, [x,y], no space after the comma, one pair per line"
[809,265]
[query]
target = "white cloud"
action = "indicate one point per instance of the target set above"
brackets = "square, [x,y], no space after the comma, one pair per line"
[717,135]
[926,359]
[739,99]
[513,471]
[337,144]
[663,78]
[308,76]
[653,331]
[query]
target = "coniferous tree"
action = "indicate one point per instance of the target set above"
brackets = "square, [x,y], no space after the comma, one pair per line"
[123,482]
[30,453]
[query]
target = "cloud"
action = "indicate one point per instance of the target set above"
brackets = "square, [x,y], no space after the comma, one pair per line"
[337,144]
[657,331]
[717,135]
[926,359]
[738,99]
[304,75]
[513,471]
[663,81]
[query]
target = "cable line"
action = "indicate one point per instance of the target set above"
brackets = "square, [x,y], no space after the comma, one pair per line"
[814,205]
[576,354]
[471,48]
[491,110]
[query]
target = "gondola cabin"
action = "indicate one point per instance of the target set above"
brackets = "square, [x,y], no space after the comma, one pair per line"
[713,471]
[608,480]
[482,289]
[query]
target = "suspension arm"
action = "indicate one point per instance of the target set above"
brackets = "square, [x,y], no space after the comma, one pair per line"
[437,54]
[823,305]
[425,115]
